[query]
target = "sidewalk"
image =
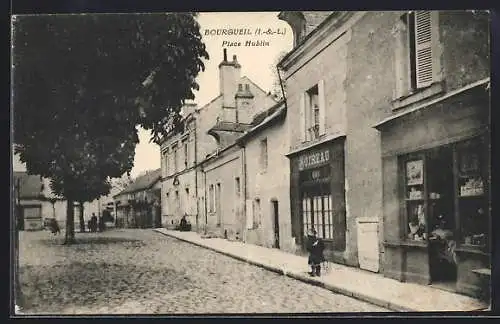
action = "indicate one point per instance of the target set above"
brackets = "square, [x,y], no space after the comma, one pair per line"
[352,282]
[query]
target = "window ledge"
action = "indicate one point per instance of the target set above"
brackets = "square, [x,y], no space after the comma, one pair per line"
[422,244]
[418,95]
[472,249]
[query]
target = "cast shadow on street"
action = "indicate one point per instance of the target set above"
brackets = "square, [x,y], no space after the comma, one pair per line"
[54,288]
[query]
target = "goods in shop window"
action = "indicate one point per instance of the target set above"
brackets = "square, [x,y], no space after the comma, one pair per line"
[473,187]
[415,194]
[414,172]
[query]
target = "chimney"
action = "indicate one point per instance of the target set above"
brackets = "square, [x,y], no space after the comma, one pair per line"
[229,76]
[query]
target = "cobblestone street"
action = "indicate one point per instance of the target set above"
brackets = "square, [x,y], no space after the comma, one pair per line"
[144,272]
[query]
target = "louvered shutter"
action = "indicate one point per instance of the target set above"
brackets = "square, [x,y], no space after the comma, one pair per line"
[322,107]
[302,115]
[423,48]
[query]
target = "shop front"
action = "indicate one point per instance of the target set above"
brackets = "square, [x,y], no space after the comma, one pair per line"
[436,175]
[317,195]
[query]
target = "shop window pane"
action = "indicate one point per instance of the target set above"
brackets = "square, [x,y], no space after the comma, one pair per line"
[440,195]
[416,227]
[472,185]
[304,215]
[328,215]
[319,217]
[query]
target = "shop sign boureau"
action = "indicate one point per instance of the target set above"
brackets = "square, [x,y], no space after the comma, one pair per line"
[311,160]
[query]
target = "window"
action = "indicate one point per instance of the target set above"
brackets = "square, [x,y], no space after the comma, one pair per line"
[185,153]
[167,197]
[211,199]
[186,208]
[237,187]
[446,188]
[263,155]
[472,191]
[174,149]
[165,164]
[256,213]
[416,62]
[317,213]
[313,112]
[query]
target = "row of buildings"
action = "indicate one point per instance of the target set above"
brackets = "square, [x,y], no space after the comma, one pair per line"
[34,201]
[383,136]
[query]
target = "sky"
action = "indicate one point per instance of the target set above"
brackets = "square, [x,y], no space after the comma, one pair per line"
[256,63]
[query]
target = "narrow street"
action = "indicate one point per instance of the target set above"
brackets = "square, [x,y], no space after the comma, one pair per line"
[144,272]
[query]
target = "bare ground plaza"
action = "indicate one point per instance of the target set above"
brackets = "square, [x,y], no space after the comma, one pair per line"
[143,272]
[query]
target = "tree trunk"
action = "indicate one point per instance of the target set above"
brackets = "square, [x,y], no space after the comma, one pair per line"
[70,223]
[82,220]
[19,298]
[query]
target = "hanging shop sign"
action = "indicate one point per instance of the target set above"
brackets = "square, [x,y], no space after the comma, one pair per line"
[313,160]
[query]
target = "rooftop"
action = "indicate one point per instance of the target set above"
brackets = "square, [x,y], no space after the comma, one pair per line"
[142,182]
[31,186]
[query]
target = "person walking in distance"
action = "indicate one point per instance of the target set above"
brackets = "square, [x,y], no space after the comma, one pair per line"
[315,247]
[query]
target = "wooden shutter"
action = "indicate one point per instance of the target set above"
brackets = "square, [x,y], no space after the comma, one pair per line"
[302,116]
[423,48]
[322,107]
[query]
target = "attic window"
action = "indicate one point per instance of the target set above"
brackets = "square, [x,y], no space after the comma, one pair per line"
[240,87]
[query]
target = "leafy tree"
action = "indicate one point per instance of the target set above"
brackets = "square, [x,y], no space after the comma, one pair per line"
[277,90]
[82,83]
[95,188]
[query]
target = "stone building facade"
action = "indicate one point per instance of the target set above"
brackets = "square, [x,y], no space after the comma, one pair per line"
[393,118]
[267,185]
[207,130]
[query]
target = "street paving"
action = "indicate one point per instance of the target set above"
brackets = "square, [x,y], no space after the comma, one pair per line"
[144,272]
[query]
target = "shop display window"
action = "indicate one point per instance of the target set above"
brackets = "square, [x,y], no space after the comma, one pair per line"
[445,191]
[472,193]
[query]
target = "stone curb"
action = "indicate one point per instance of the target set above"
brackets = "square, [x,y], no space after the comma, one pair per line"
[303,278]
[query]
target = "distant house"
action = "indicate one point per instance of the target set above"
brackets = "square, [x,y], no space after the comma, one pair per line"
[138,205]
[34,201]
[29,200]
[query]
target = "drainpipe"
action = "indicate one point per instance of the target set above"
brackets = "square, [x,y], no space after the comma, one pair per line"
[244,190]
[196,176]
[281,85]
[205,197]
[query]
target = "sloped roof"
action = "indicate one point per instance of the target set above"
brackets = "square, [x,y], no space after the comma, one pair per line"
[314,19]
[265,118]
[259,118]
[31,186]
[230,127]
[142,182]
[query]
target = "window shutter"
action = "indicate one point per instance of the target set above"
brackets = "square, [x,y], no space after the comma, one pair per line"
[423,48]
[322,107]
[302,115]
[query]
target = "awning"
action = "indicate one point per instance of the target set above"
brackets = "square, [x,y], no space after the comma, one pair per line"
[428,104]
[324,139]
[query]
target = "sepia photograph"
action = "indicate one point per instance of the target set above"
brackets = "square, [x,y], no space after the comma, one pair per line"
[250,163]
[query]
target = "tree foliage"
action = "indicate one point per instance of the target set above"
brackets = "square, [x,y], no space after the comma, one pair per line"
[277,90]
[82,83]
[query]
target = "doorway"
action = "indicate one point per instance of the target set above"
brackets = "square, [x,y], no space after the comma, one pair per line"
[218,205]
[441,213]
[275,211]
[20,218]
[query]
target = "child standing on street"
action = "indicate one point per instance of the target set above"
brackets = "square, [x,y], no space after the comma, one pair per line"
[315,247]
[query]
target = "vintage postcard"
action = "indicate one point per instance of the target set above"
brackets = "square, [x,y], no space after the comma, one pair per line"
[288,162]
